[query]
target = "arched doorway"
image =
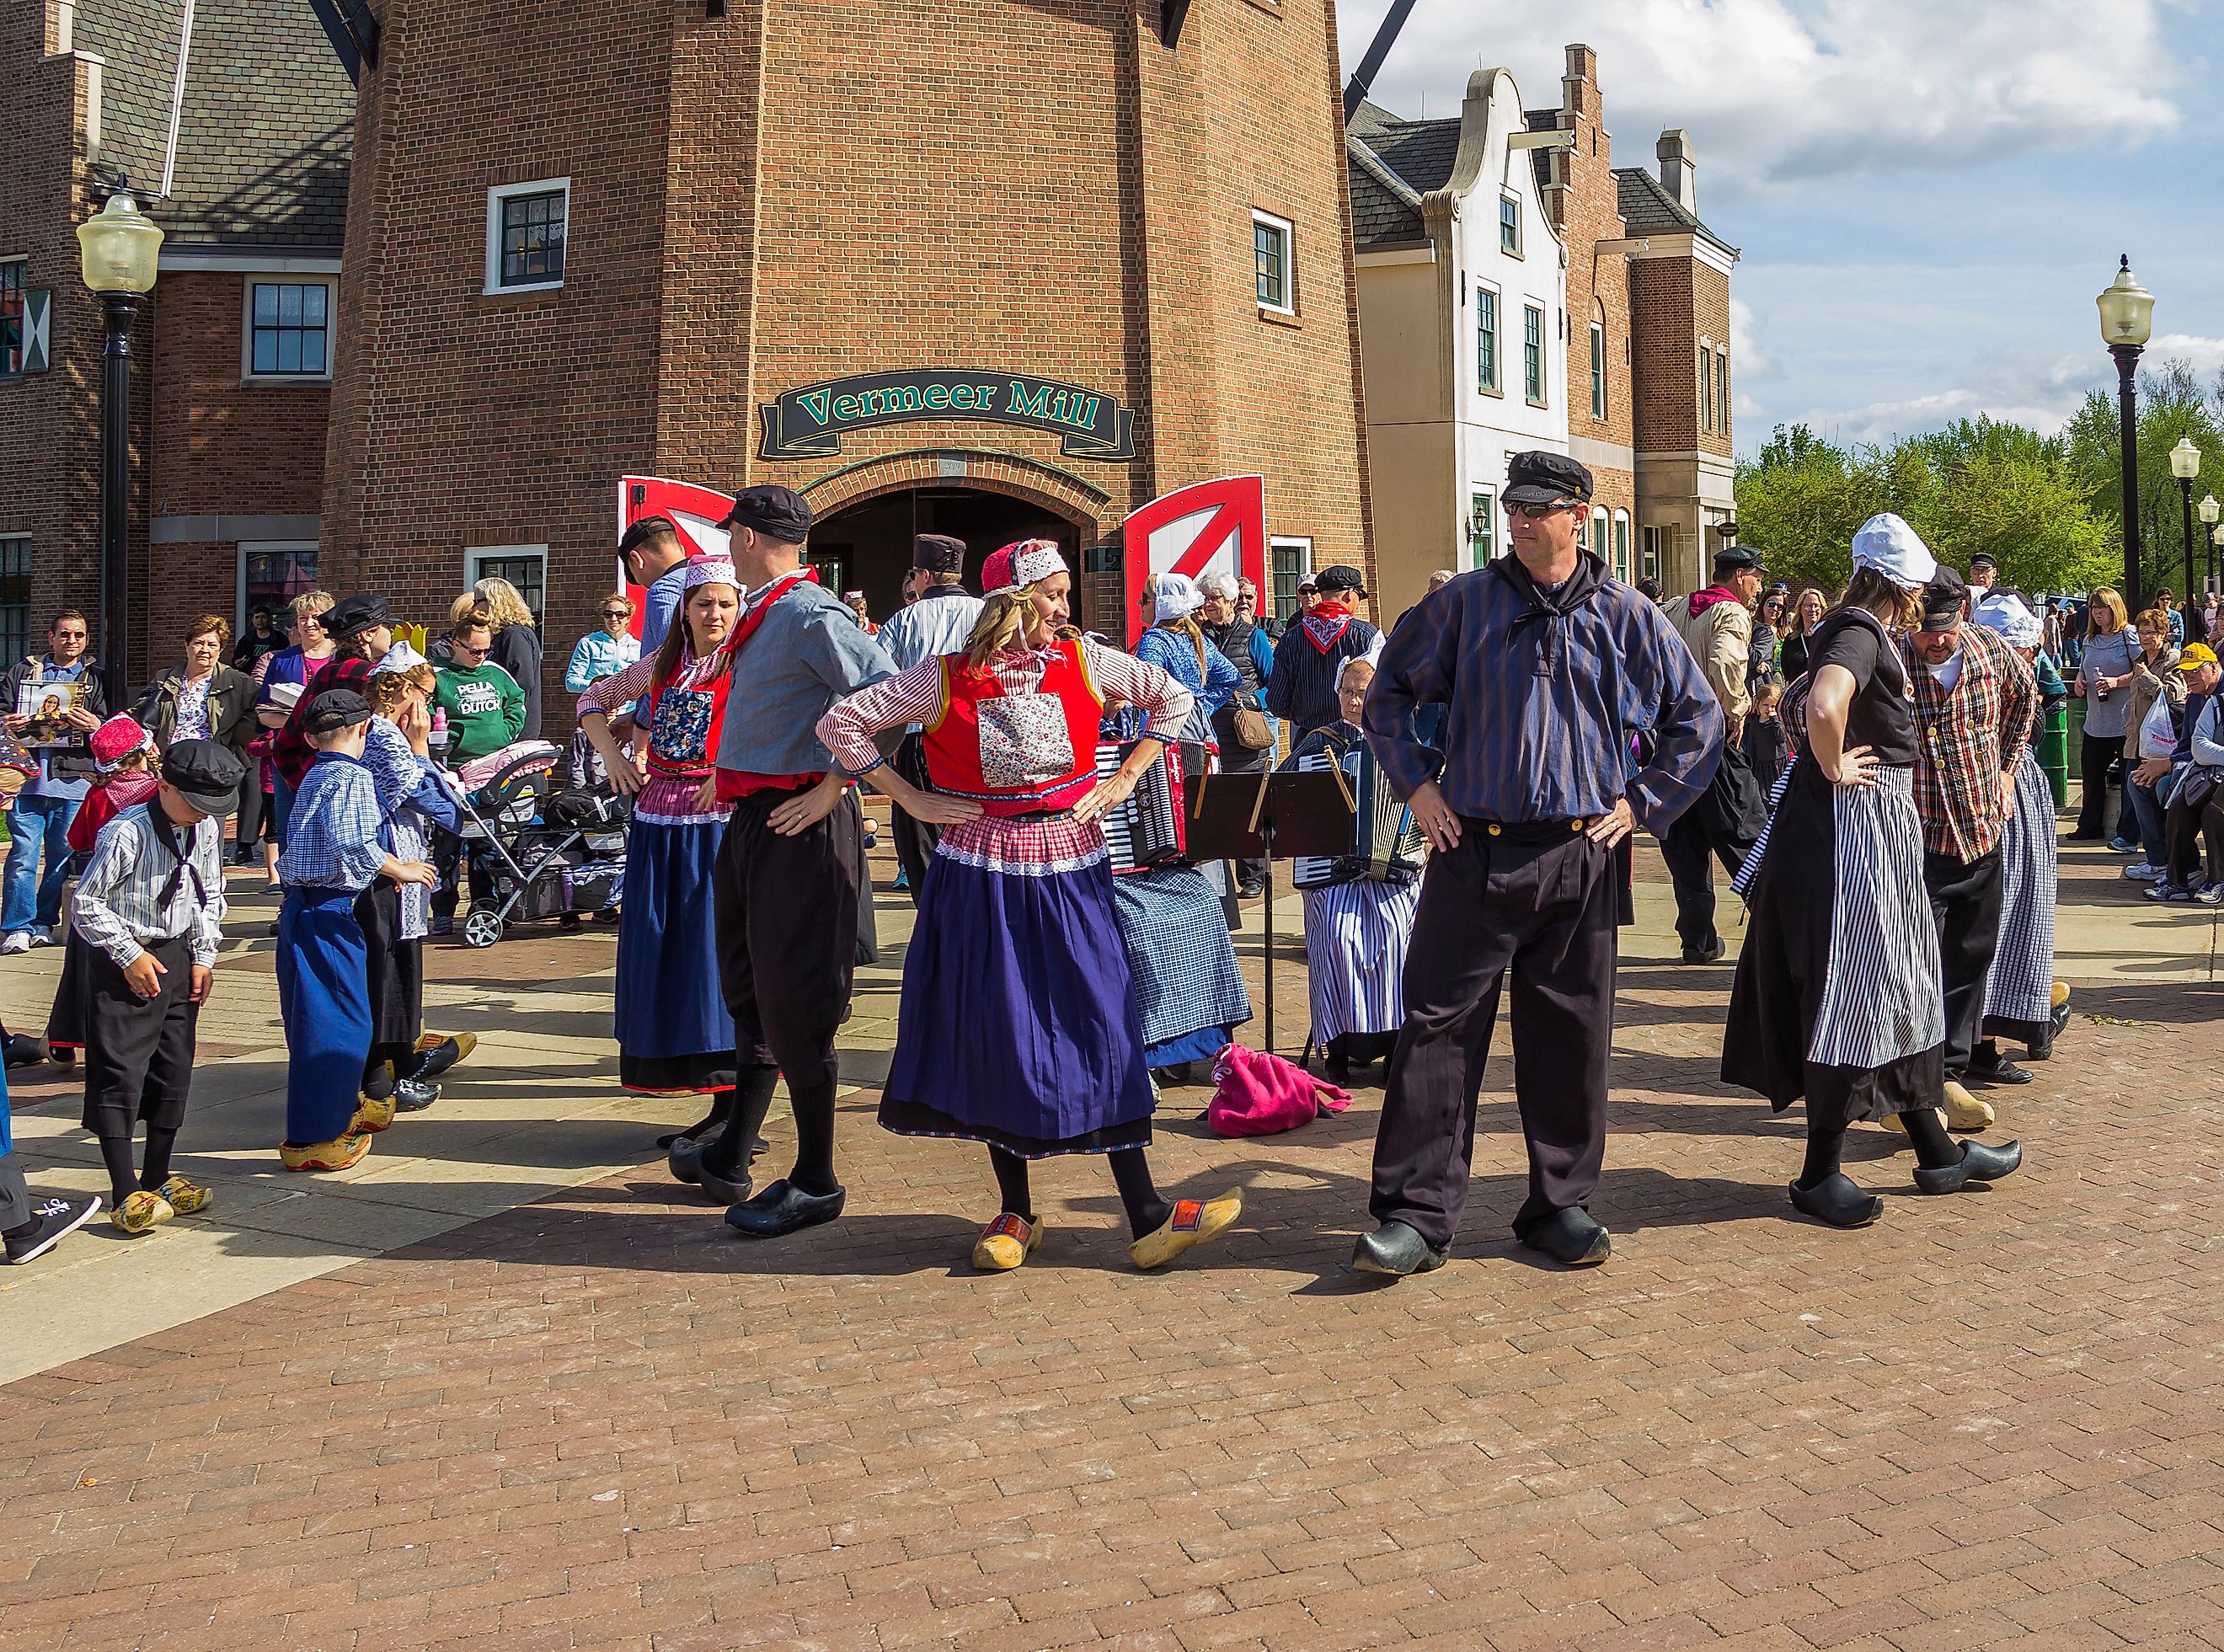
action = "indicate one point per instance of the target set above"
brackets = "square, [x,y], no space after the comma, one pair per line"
[868,513]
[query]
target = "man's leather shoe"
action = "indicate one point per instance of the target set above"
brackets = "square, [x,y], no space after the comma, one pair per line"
[1998,1070]
[1978,1164]
[1835,1199]
[1396,1250]
[1710,953]
[785,1208]
[1571,1236]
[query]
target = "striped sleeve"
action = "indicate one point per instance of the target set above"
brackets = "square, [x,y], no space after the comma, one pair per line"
[612,694]
[1123,677]
[914,695]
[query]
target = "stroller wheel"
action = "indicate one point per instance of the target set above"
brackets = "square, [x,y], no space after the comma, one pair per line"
[481,926]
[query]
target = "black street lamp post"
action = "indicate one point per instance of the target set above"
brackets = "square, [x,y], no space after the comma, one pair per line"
[2126,322]
[2185,466]
[118,246]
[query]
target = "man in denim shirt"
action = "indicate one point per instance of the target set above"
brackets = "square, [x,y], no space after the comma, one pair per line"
[32,904]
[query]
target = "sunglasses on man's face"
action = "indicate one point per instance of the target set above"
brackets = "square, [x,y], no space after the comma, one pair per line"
[1538,513]
[615,613]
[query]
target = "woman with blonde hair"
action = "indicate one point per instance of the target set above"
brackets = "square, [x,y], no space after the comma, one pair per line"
[516,644]
[1019,1028]
[2105,675]
[1839,997]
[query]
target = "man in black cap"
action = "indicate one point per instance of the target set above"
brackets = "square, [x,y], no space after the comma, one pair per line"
[1974,697]
[937,624]
[1717,626]
[1548,668]
[791,867]
[1984,570]
[1302,687]
[362,629]
[150,908]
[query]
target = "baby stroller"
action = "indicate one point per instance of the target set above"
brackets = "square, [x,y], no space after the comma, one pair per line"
[553,857]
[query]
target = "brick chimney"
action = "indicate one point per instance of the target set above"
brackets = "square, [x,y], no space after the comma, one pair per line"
[1678,167]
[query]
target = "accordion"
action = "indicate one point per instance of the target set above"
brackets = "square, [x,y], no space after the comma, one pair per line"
[1148,830]
[1384,841]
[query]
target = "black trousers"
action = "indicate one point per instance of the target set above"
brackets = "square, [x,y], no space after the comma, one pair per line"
[1965,903]
[1723,825]
[14,1197]
[139,1052]
[1545,910]
[2185,830]
[2098,764]
[787,911]
[254,809]
[915,840]
[449,851]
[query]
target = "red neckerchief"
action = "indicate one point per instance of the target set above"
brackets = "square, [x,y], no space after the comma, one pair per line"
[1325,625]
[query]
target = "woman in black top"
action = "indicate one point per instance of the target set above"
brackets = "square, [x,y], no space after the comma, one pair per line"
[516,645]
[1806,615]
[1838,995]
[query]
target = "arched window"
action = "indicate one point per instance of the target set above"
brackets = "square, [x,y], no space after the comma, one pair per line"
[1621,545]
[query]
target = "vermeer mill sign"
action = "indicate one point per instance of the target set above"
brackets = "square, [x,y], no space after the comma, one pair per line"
[810,422]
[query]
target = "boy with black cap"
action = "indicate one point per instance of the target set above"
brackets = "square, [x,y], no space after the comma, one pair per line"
[937,624]
[792,863]
[1547,666]
[150,908]
[1302,686]
[331,854]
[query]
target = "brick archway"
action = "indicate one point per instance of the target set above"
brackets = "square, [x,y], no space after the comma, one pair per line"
[1060,492]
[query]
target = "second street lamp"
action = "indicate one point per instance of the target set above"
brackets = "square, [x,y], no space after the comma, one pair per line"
[2185,466]
[2126,322]
[2209,511]
[118,245]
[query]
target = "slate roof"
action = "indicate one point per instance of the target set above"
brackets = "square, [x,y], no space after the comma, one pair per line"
[268,127]
[1647,208]
[1393,163]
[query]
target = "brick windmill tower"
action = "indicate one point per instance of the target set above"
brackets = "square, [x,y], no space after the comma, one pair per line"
[982,267]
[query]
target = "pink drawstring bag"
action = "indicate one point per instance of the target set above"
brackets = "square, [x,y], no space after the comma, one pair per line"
[1259,1093]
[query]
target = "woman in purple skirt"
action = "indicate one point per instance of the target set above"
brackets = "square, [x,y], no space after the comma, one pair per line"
[1019,1028]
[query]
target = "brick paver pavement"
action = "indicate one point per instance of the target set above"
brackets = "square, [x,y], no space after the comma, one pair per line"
[602,1421]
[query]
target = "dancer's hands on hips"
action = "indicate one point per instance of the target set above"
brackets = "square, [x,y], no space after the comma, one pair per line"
[1434,816]
[1613,826]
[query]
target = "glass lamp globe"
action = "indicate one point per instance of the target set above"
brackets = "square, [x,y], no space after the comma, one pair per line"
[2210,510]
[2127,308]
[118,245]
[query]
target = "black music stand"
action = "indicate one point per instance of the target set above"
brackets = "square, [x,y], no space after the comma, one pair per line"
[1268,816]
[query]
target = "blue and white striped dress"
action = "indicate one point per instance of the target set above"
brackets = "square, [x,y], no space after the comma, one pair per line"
[1356,931]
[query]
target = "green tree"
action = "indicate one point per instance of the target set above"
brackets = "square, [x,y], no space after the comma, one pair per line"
[2172,403]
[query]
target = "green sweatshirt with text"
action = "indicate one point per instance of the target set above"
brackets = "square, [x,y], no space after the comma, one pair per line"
[485,708]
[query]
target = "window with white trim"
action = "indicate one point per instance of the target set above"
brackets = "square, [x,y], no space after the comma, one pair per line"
[1655,543]
[288,328]
[1532,354]
[1288,561]
[272,573]
[525,566]
[1482,527]
[1723,388]
[526,227]
[1598,535]
[1271,240]
[1621,545]
[1486,341]
[1509,224]
[1706,384]
[1598,369]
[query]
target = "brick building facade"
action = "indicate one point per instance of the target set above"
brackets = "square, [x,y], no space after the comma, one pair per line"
[1640,304]
[697,246]
[228,423]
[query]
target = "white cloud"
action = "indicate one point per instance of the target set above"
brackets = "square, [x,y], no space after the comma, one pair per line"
[1751,355]
[1777,92]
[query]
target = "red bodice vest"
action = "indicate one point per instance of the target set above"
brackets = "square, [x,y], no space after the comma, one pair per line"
[953,741]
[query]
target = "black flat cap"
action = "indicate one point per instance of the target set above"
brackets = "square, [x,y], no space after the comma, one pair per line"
[1339,576]
[352,614]
[334,710]
[1984,560]
[776,511]
[1732,559]
[1543,478]
[937,553]
[1942,598]
[207,773]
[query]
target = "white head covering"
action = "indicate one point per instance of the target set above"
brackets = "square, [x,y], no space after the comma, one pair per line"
[1174,596]
[1895,550]
[1371,660]
[709,570]
[2009,615]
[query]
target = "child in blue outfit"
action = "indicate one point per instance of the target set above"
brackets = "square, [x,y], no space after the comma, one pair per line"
[332,854]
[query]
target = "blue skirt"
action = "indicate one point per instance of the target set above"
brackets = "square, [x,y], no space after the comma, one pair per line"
[1018,1026]
[673,1031]
[1191,993]
[324,1000]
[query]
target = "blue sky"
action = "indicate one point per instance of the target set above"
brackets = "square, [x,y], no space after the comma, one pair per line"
[1928,193]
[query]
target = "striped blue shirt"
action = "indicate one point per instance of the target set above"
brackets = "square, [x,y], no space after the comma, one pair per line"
[332,837]
[1544,706]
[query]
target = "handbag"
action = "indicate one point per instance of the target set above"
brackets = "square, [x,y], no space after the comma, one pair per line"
[1249,726]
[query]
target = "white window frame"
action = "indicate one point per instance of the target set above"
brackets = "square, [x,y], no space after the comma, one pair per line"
[1723,388]
[1496,387]
[1622,550]
[1707,386]
[474,554]
[246,548]
[1598,370]
[1506,199]
[1483,550]
[1288,231]
[278,278]
[495,197]
[1303,545]
[1543,398]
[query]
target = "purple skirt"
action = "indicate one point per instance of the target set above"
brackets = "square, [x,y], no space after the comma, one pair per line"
[1019,1027]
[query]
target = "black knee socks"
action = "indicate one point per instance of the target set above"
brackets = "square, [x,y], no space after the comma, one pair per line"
[1131,1173]
[722,1108]
[1824,1148]
[1012,1182]
[156,1168]
[813,1106]
[743,1108]
[122,1178]
[1933,1149]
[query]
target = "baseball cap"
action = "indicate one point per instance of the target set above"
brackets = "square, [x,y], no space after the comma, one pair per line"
[2193,656]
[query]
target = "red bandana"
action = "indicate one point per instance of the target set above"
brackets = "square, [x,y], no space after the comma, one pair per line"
[1324,626]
